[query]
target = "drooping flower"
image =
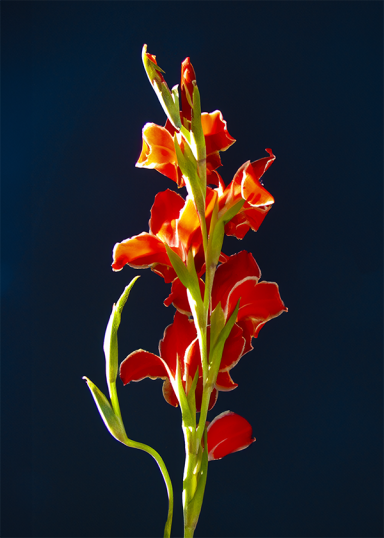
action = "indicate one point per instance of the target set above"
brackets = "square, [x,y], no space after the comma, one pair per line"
[228,433]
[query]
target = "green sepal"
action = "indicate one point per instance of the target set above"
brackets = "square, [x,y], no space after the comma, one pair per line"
[216,238]
[216,243]
[194,295]
[182,397]
[191,398]
[217,325]
[188,166]
[187,275]
[110,338]
[181,270]
[217,350]
[196,127]
[231,212]
[112,422]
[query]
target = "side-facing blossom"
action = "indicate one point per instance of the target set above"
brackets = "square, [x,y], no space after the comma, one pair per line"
[246,185]
[174,222]
[158,149]
[228,433]
[237,278]
[178,344]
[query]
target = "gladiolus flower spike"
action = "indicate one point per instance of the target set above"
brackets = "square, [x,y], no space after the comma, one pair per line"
[221,302]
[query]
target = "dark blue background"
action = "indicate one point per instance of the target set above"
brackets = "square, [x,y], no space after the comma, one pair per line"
[304,78]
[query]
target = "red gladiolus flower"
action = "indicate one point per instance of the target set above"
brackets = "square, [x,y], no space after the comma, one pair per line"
[178,344]
[246,185]
[236,278]
[228,433]
[174,222]
[158,150]
[147,249]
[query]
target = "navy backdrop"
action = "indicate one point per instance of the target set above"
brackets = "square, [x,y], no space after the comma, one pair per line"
[304,78]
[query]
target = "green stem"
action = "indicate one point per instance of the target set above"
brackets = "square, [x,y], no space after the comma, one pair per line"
[189,532]
[114,399]
[159,460]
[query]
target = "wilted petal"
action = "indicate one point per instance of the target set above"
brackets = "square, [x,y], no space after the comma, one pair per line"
[158,151]
[228,433]
[139,251]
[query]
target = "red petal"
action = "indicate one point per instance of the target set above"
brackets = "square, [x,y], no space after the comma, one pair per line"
[139,251]
[169,394]
[249,217]
[213,162]
[168,273]
[164,212]
[215,131]
[158,151]
[178,296]
[141,364]
[199,395]
[259,301]
[188,224]
[214,178]
[177,337]
[249,176]
[228,433]
[228,274]
[224,382]
[233,348]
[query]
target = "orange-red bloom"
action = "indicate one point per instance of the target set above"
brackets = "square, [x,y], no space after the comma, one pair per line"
[228,433]
[246,185]
[178,344]
[237,278]
[174,222]
[158,150]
